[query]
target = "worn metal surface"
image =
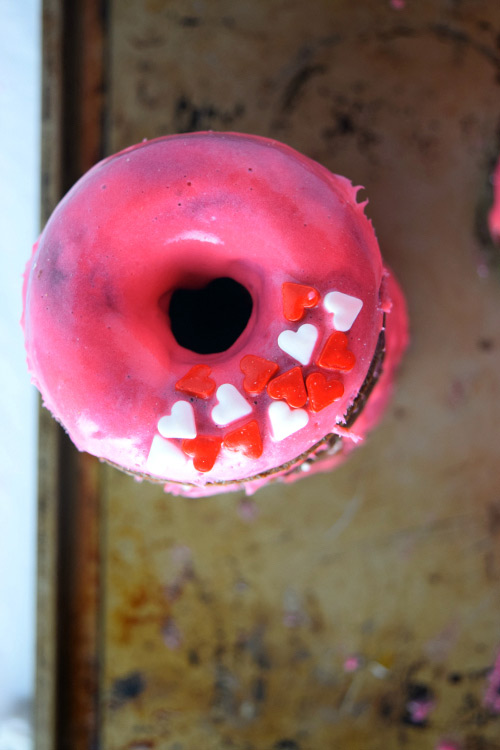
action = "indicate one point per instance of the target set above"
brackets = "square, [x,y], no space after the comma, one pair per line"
[359,609]
[68,527]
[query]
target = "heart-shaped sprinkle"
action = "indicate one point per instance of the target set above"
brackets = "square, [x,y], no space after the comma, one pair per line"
[344,307]
[299,344]
[336,355]
[231,406]
[246,439]
[296,297]
[290,387]
[196,382]
[323,391]
[180,423]
[164,456]
[204,450]
[258,371]
[285,421]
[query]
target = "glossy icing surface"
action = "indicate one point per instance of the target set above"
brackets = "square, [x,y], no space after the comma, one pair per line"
[179,212]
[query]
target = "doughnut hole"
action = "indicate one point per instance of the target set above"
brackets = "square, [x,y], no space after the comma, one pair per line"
[210,319]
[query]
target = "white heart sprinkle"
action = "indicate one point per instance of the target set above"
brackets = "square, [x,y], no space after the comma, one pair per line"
[231,406]
[180,423]
[285,421]
[299,344]
[344,307]
[164,456]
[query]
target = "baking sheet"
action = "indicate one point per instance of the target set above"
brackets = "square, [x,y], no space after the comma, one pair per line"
[358,609]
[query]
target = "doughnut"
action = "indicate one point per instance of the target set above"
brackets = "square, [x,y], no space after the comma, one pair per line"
[211,311]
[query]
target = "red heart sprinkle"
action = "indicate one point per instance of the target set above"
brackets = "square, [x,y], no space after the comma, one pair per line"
[296,297]
[290,387]
[323,391]
[204,449]
[257,371]
[246,439]
[196,382]
[336,355]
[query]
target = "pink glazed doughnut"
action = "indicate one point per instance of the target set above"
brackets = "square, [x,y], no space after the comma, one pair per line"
[211,311]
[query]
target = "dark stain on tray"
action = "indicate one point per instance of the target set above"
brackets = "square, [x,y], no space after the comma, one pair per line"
[418,695]
[472,713]
[298,83]
[189,117]
[346,122]
[255,645]
[190,21]
[396,32]
[127,688]
[193,657]
[259,690]
[386,706]
[447,32]
[493,511]
[224,698]
[485,344]
[474,742]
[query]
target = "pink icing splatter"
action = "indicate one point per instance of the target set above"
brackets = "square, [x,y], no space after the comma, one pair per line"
[419,705]
[419,711]
[439,647]
[293,615]
[181,555]
[397,4]
[492,695]
[352,663]
[457,393]
[182,559]
[247,510]
[172,636]
[494,213]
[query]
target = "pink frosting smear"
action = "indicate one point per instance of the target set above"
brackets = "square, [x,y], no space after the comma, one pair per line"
[494,213]
[492,694]
[176,213]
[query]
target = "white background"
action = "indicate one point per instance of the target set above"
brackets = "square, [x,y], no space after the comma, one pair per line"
[19,202]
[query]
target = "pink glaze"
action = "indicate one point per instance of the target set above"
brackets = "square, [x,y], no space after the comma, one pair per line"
[494,213]
[177,212]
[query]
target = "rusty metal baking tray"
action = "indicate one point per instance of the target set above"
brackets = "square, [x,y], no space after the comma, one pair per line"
[358,609]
